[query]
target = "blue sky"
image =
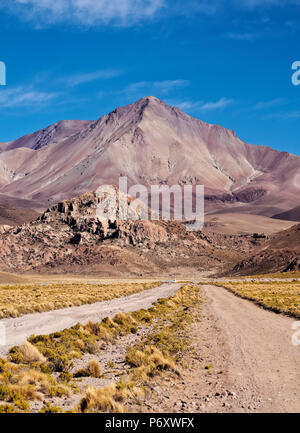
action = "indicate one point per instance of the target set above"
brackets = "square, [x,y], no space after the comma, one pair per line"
[223,61]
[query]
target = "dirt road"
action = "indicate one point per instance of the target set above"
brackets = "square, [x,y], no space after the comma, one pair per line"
[19,329]
[242,361]
[262,361]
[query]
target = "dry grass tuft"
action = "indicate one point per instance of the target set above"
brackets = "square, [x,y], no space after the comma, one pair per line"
[101,400]
[109,399]
[94,368]
[150,356]
[30,353]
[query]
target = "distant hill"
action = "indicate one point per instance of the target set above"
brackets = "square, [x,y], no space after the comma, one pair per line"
[16,216]
[290,215]
[281,252]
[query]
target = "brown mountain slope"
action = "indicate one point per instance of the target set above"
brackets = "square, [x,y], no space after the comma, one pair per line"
[70,238]
[290,215]
[16,216]
[151,143]
[281,252]
[50,135]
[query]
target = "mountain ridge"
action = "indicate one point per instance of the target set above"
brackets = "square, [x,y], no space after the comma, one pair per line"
[151,143]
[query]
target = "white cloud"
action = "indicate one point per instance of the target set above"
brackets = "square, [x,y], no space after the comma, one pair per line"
[24,97]
[77,79]
[201,106]
[168,85]
[221,103]
[264,105]
[89,13]
[37,94]
[289,115]
[155,87]
[84,12]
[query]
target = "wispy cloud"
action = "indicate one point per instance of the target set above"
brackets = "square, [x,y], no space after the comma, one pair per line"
[36,94]
[81,78]
[155,87]
[83,12]
[288,115]
[201,106]
[221,103]
[265,105]
[20,97]
[91,13]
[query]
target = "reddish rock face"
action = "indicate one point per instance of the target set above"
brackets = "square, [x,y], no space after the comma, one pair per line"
[294,265]
[70,237]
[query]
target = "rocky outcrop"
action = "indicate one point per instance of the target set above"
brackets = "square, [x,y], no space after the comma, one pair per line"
[70,236]
[293,266]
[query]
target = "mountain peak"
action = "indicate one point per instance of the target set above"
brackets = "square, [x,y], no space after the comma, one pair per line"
[150,99]
[151,143]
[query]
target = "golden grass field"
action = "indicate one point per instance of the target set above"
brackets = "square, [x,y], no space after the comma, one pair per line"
[40,369]
[278,275]
[278,296]
[16,300]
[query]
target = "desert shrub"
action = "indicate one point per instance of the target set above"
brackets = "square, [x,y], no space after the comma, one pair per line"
[79,344]
[7,408]
[10,394]
[94,368]
[143,316]
[63,346]
[47,408]
[150,357]
[83,372]
[65,376]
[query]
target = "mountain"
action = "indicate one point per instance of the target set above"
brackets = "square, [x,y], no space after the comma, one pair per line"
[69,237]
[290,215]
[280,253]
[151,143]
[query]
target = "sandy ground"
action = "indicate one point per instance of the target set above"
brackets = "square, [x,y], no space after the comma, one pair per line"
[242,360]
[244,223]
[19,329]
[263,359]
